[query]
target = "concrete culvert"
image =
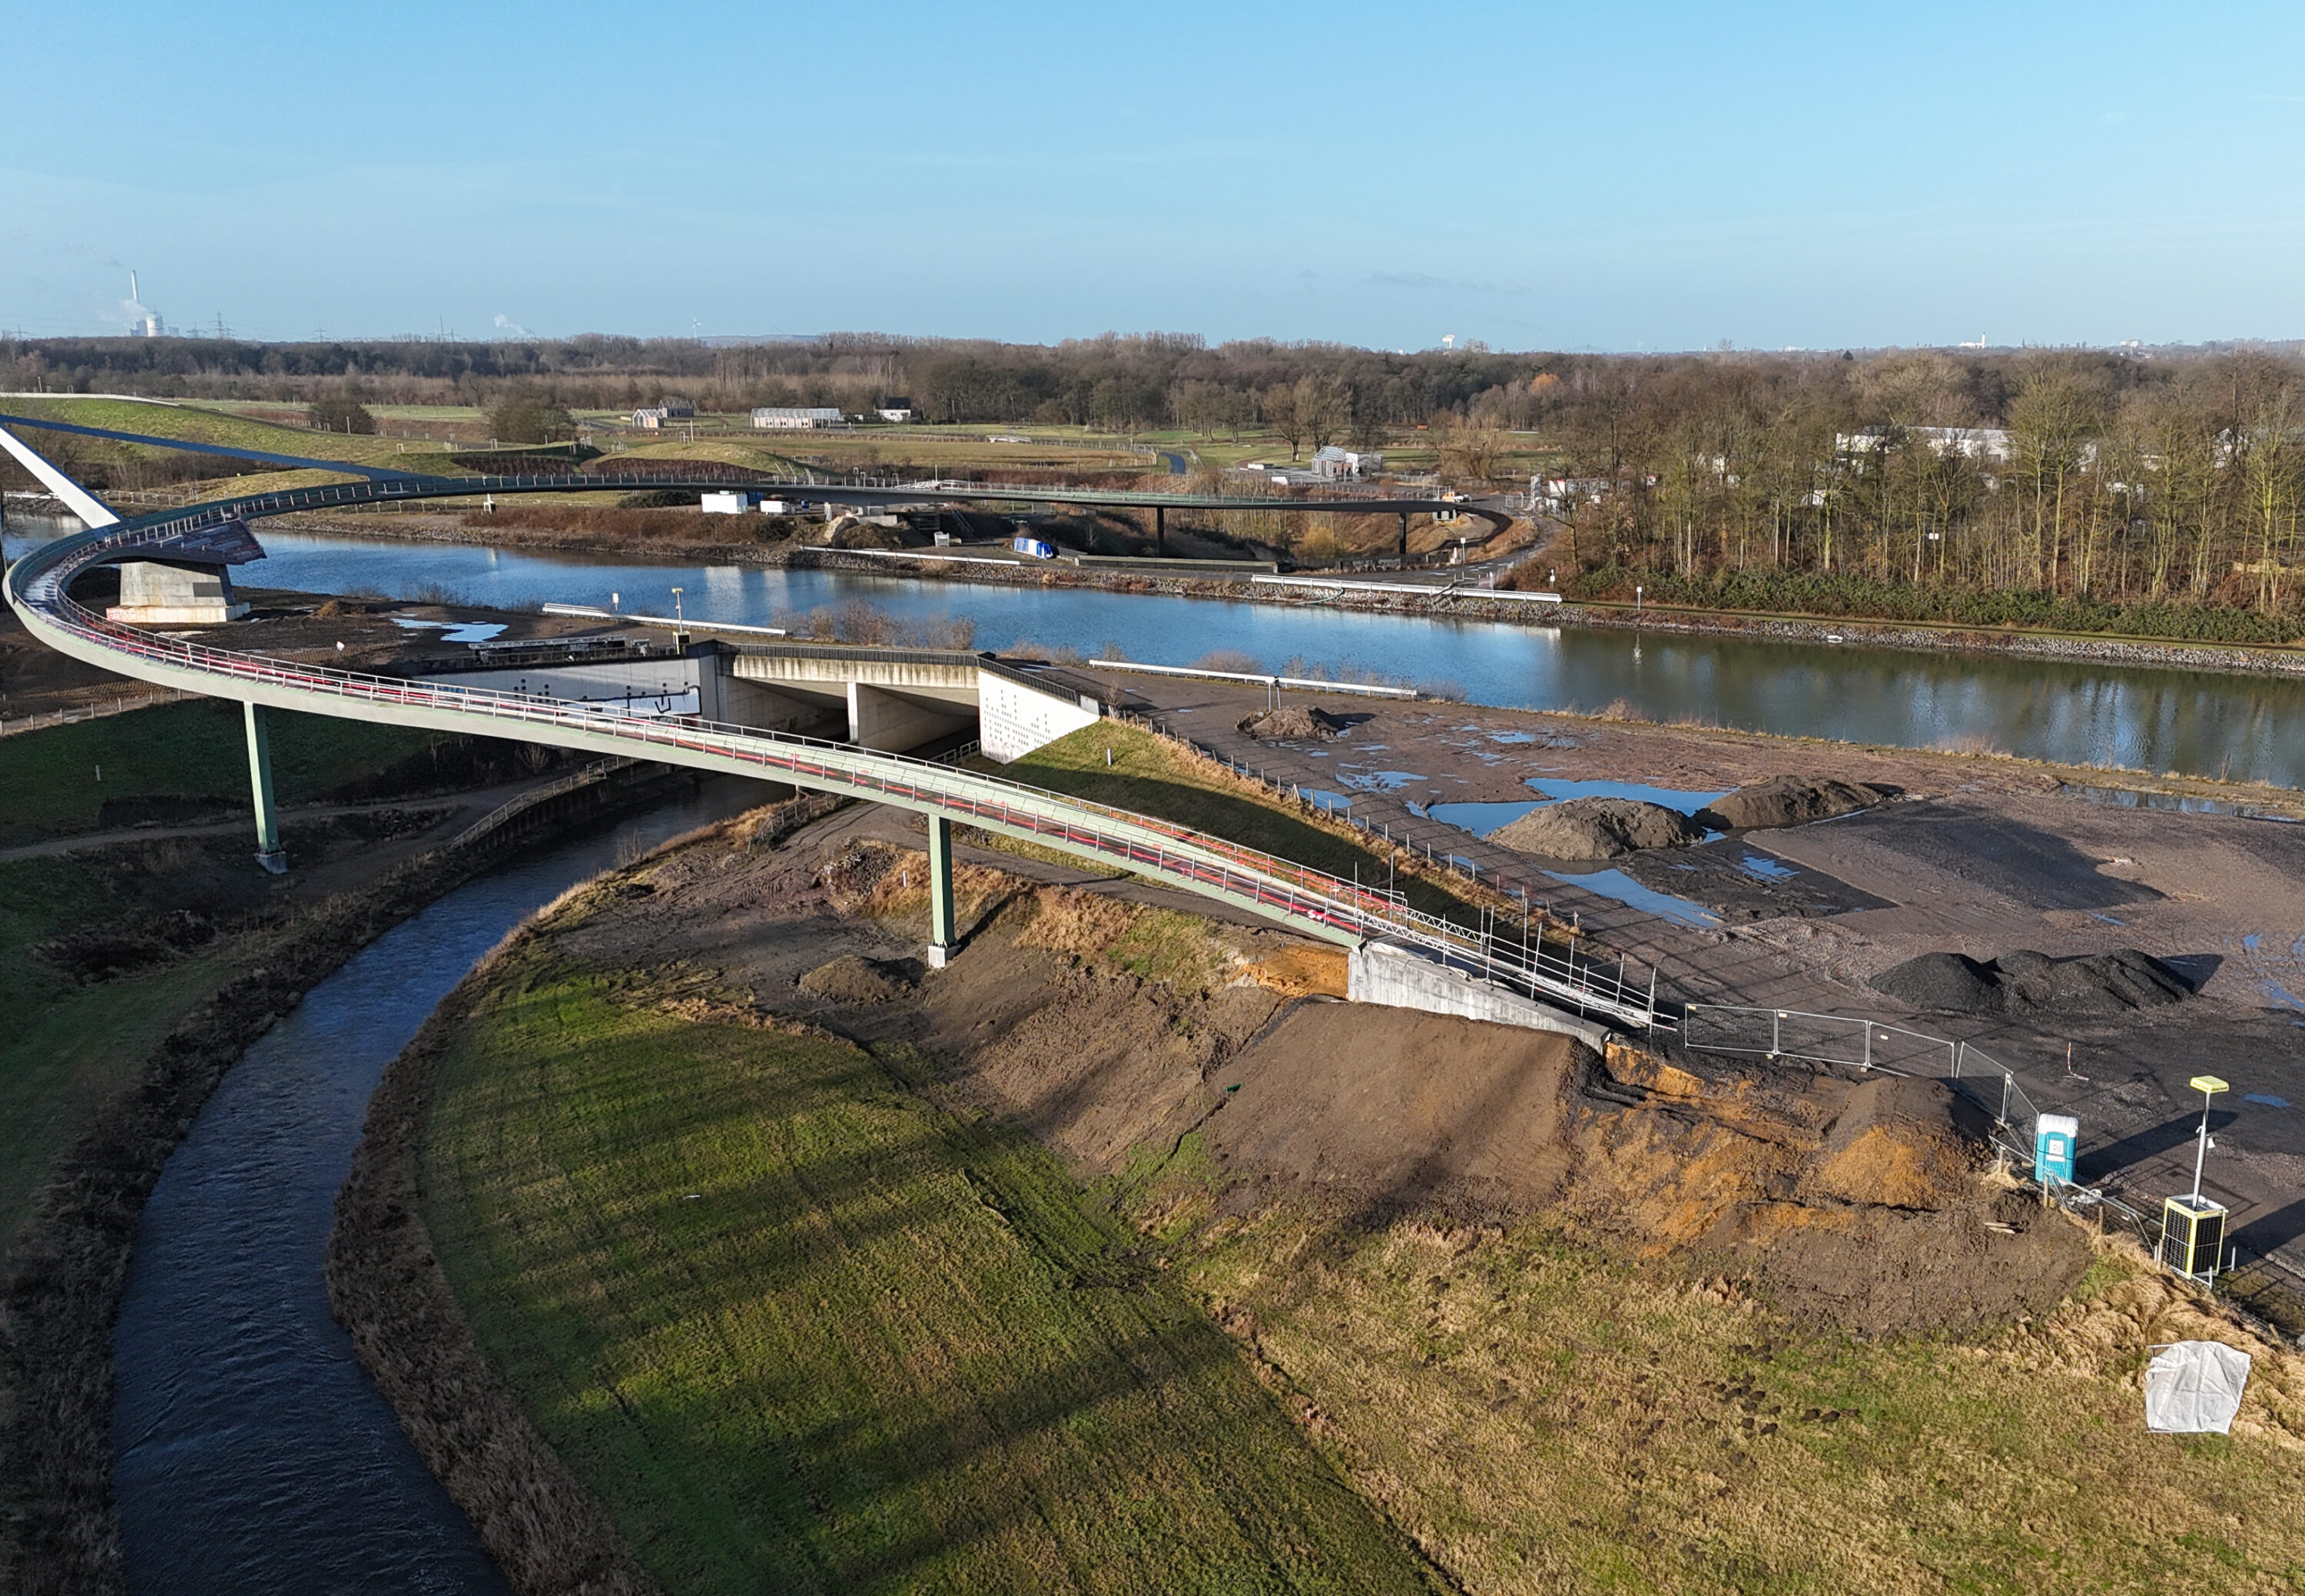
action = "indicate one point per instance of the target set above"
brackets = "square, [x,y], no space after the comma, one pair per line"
[1790,800]
[1598,828]
[2024,983]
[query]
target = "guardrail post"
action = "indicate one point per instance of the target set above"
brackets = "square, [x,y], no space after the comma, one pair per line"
[941,934]
[268,851]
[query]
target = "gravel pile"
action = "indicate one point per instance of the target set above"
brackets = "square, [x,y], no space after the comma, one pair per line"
[2023,984]
[851,979]
[1598,828]
[1296,723]
[1790,800]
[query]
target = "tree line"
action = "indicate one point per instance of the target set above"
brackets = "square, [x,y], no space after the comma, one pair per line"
[2169,477]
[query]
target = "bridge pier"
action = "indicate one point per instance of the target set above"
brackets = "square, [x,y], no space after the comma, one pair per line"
[268,851]
[941,933]
[1160,529]
[1403,539]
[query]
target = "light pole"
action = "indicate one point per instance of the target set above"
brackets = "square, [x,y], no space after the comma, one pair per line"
[1637,602]
[2209,1086]
[679,622]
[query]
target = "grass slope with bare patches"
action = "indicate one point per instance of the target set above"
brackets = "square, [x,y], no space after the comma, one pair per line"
[1153,775]
[800,1330]
[1544,1416]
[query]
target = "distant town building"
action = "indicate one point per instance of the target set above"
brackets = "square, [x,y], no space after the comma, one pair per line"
[1332,463]
[1560,493]
[893,409]
[651,418]
[1973,443]
[772,419]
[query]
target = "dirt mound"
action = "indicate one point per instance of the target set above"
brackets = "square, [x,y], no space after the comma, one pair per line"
[1598,828]
[1856,1205]
[1790,800]
[2025,982]
[852,978]
[1296,723]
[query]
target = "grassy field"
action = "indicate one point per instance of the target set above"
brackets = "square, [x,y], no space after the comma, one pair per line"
[69,1048]
[802,1331]
[1542,1416]
[1153,776]
[49,785]
[198,425]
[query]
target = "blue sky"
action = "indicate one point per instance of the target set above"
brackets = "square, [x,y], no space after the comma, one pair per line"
[1659,176]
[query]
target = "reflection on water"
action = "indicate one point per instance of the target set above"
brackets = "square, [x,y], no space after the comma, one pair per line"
[1625,890]
[251,1452]
[2197,722]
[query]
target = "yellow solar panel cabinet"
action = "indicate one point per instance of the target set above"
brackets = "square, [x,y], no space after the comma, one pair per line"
[2192,1235]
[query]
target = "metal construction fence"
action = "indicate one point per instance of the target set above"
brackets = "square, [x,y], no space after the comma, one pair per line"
[1869,1044]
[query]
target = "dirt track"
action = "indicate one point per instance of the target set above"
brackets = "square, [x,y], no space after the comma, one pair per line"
[1982,855]
[1858,1205]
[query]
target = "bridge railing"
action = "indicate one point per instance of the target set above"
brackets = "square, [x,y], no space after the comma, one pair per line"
[1131,840]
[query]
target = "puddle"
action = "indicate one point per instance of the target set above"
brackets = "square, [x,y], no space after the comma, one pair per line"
[2108,919]
[1480,819]
[1625,890]
[2282,995]
[1379,781]
[454,631]
[2125,798]
[2249,943]
[2265,1099]
[1326,800]
[1513,737]
[1765,868]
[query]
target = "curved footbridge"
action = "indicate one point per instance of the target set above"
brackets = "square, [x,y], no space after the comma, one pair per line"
[892,697]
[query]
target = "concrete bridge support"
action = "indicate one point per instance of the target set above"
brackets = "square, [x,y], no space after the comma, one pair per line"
[896,722]
[942,935]
[268,851]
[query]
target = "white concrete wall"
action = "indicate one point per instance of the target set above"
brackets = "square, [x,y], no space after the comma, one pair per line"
[1386,973]
[892,723]
[156,595]
[1016,719]
[665,687]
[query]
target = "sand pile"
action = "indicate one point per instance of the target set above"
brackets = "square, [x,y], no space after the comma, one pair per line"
[1598,828]
[1790,800]
[2025,982]
[1296,723]
[854,979]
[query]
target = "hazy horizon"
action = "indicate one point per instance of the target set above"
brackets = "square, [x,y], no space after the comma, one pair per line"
[1534,178]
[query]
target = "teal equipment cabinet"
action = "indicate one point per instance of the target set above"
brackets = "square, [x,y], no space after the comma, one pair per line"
[2192,1235]
[2054,1138]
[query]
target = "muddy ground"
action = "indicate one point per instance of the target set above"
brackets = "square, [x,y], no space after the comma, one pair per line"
[1981,855]
[1861,1205]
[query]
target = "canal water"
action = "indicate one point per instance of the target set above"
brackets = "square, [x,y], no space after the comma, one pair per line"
[2200,723]
[250,1453]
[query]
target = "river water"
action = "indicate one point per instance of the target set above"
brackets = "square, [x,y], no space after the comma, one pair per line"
[250,1453]
[2201,723]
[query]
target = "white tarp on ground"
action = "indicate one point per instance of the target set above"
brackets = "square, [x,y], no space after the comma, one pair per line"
[2194,1385]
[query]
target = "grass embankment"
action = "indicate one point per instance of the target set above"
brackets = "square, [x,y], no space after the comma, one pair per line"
[135,974]
[1811,595]
[1155,775]
[1542,1415]
[802,1330]
[73,1045]
[195,751]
